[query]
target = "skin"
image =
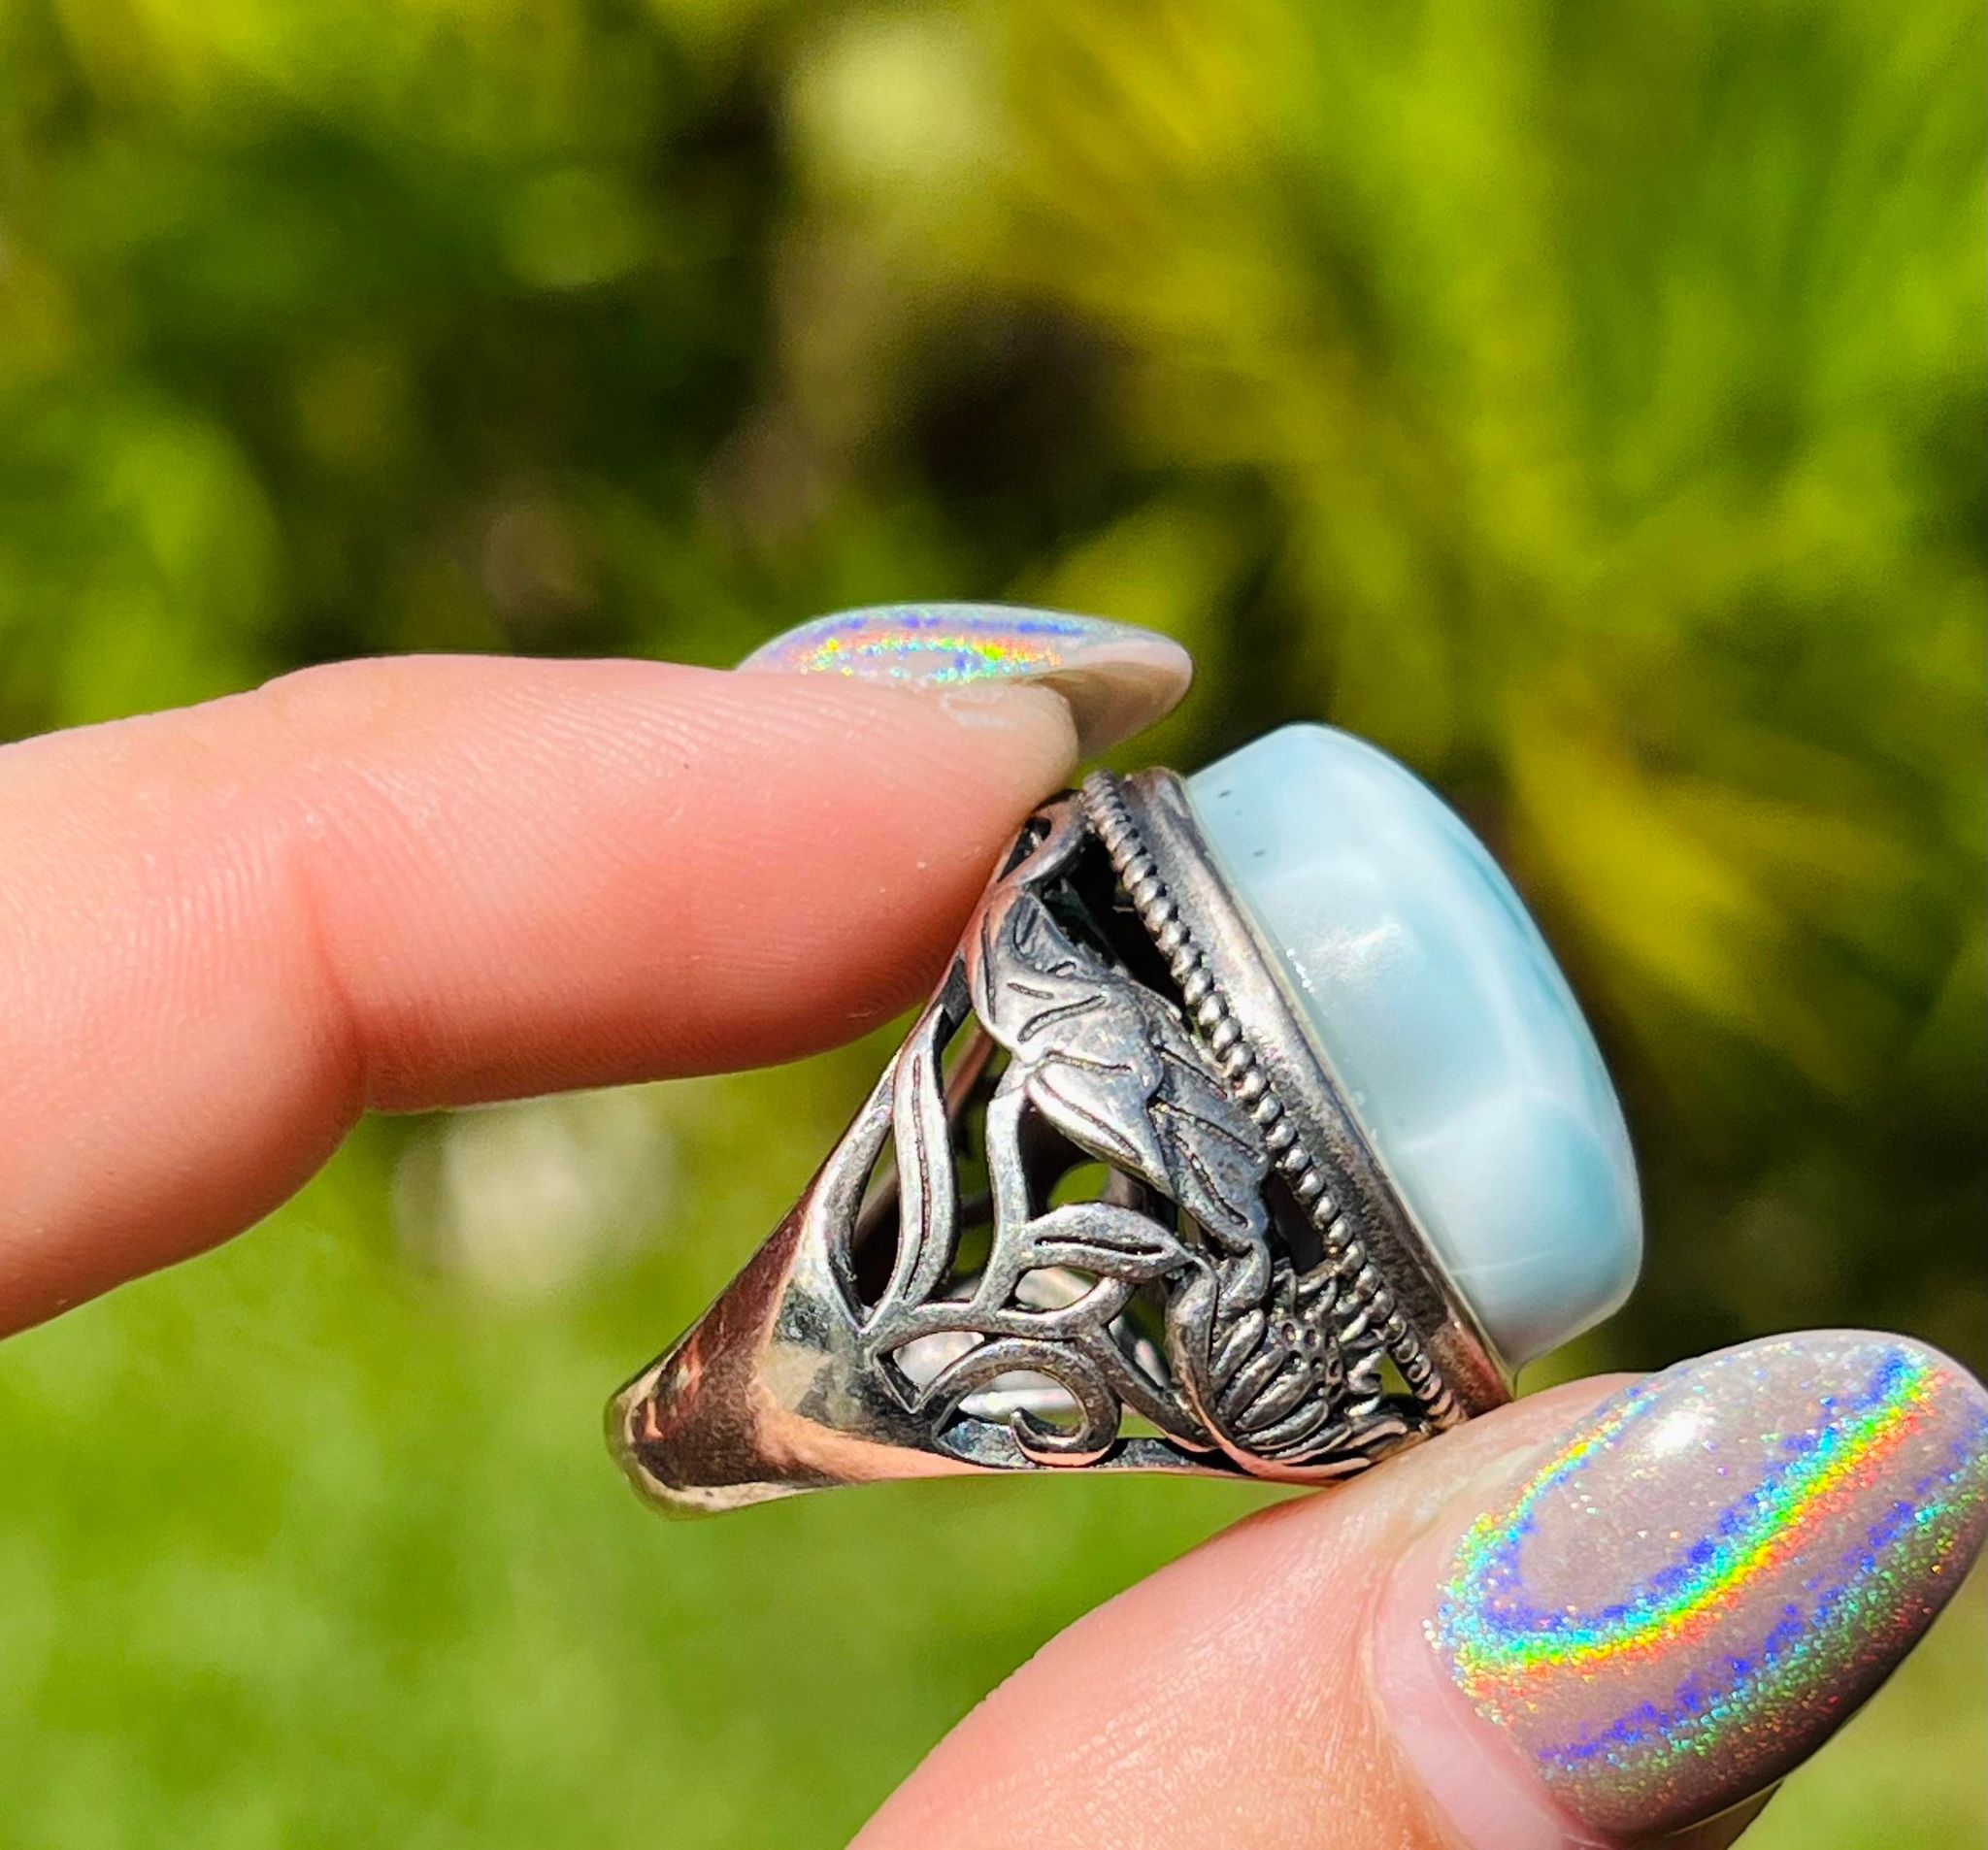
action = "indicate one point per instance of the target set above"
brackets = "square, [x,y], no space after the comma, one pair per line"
[226,932]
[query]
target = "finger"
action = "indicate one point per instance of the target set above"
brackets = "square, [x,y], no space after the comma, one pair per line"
[1585,1619]
[409,884]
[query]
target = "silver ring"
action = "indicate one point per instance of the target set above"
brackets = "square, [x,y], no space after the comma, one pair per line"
[1105,1209]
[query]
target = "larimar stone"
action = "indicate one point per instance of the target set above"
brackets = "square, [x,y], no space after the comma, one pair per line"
[1438,1010]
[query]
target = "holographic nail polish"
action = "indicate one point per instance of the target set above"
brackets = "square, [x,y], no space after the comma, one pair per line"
[1703,1584]
[1117,678]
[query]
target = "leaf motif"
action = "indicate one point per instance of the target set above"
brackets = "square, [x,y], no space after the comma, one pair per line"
[1102,1107]
[1027,977]
[928,1204]
[1219,1163]
[1115,1070]
[1079,1031]
[1099,1237]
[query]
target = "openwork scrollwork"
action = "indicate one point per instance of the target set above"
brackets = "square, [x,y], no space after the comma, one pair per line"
[1132,1255]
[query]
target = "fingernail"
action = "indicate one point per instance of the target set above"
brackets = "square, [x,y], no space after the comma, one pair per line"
[1683,1599]
[1115,678]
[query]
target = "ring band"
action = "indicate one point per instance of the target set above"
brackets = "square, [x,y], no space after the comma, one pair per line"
[1105,1208]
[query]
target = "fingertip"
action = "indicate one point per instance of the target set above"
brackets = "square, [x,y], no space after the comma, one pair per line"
[1269,1628]
[574,873]
[428,881]
[1676,1599]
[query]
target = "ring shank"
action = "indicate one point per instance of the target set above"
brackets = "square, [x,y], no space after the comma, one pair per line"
[1109,1004]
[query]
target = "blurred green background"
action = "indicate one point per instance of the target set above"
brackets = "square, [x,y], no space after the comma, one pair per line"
[1584,402]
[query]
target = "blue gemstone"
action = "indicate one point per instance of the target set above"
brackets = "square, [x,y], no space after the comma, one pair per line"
[1442,1015]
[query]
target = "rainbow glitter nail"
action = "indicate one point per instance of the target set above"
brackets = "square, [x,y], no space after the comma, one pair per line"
[1704,1583]
[1115,678]
[933,644]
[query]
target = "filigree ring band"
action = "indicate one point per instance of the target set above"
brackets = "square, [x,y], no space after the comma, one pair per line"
[1125,1199]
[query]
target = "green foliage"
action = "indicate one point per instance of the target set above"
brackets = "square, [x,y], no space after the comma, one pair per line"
[1584,402]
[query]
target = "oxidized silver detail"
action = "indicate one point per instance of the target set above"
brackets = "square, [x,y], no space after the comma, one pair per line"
[1102,1236]
[1366,1291]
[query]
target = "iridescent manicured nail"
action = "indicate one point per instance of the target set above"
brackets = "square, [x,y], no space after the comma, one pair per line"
[1694,1590]
[1115,678]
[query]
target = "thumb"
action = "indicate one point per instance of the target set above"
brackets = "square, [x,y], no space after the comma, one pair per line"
[1590,1618]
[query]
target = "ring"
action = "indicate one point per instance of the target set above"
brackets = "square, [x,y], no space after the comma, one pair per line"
[1252,1131]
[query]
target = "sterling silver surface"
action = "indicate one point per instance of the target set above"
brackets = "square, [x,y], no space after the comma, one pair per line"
[1104,1210]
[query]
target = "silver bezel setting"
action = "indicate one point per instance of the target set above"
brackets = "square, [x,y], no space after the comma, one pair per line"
[1230,981]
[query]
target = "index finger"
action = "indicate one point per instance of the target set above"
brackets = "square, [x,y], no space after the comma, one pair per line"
[226,931]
